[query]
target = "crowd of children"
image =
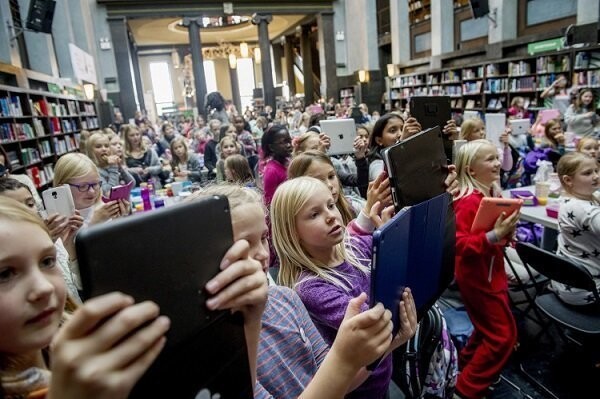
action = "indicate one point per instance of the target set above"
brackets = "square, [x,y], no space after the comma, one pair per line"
[292,205]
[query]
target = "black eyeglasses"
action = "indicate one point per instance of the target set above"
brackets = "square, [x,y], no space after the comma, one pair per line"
[85,187]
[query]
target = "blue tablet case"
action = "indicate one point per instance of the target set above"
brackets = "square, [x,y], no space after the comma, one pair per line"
[408,251]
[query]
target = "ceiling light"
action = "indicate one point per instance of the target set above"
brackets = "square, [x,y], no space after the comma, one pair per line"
[244,52]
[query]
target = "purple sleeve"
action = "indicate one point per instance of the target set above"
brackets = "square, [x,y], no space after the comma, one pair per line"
[326,303]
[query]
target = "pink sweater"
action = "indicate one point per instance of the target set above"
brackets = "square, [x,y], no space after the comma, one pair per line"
[274,174]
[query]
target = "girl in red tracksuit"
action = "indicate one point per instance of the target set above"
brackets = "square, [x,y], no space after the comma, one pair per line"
[479,272]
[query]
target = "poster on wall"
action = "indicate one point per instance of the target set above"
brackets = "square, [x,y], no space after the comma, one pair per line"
[83,64]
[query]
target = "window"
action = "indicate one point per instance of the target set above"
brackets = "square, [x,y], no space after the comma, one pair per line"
[210,76]
[539,11]
[245,73]
[423,42]
[473,28]
[161,85]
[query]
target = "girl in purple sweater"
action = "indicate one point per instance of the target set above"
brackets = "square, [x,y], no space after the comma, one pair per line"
[327,271]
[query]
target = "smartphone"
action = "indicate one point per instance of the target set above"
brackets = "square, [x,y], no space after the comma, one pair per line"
[59,200]
[119,192]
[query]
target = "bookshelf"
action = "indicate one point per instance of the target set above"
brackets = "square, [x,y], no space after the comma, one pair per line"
[491,86]
[37,127]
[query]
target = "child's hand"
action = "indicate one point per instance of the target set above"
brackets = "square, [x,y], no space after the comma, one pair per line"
[324,142]
[106,211]
[98,353]
[58,225]
[410,128]
[408,319]
[451,130]
[560,138]
[380,215]
[113,160]
[504,138]
[360,147]
[379,191]
[451,182]
[124,207]
[362,337]
[505,226]
[241,284]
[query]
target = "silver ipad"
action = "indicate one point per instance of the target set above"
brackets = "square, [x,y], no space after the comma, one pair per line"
[342,133]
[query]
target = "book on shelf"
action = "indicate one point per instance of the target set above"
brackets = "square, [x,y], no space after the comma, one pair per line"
[470,104]
[39,127]
[13,158]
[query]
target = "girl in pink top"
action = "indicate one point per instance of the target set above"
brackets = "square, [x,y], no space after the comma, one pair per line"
[277,148]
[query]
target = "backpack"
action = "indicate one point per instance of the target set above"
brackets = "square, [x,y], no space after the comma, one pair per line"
[427,366]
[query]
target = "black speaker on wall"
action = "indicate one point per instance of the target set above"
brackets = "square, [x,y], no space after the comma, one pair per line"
[480,8]
[40,15]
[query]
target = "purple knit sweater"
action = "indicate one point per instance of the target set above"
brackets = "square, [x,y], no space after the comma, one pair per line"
[326,303]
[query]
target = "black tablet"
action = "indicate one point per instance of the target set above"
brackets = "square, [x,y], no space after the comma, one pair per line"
[417,168]
[168,256]
[433,111]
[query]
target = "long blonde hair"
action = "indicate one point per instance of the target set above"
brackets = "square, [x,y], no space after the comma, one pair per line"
[288,200]
[467,154]
[125,130]
[300,165]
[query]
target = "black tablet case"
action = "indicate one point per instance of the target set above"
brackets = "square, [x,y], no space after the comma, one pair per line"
[433,111]
[167,256]
[417,168]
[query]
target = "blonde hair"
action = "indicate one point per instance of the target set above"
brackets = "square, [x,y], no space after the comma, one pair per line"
[585,140]
[301,141]
[72,166]
[125,130]
[231,140]
[240,168]
[300,165]
[468,154]
[91,143]
[549,125]
[468,128]
[288,200]
[14,211]
[568,165]
[236,194]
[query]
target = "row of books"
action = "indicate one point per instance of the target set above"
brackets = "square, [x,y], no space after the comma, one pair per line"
[89,123]
[522,84]
[552,64]
[41,176]
[587,78]
[413,80]
[30,155]
[11,106]
[472,87]
[89,109]
[66,144]
[496,85]
[45,148]
[496,103]
[445,91]
[519,68]
[45,108]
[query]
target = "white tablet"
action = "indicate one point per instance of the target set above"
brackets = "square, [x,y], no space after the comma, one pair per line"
[470,115]
[494,127]
[519,126]
[342,133]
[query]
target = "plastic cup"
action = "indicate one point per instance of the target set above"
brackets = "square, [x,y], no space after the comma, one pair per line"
[542,189]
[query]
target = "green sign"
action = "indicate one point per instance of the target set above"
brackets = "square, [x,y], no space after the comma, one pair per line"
[54,88]
[544,46]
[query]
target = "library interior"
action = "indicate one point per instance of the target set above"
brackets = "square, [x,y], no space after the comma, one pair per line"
[112,109]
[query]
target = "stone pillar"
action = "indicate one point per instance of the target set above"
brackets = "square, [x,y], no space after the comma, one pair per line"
[442,27]
[137,76]
[309,84]
[506,20]
[400,33]
[262,21]
[361,35]
[127,94]
[329,86]
[277,56]
[193,25]
[289,64]
[235,89]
